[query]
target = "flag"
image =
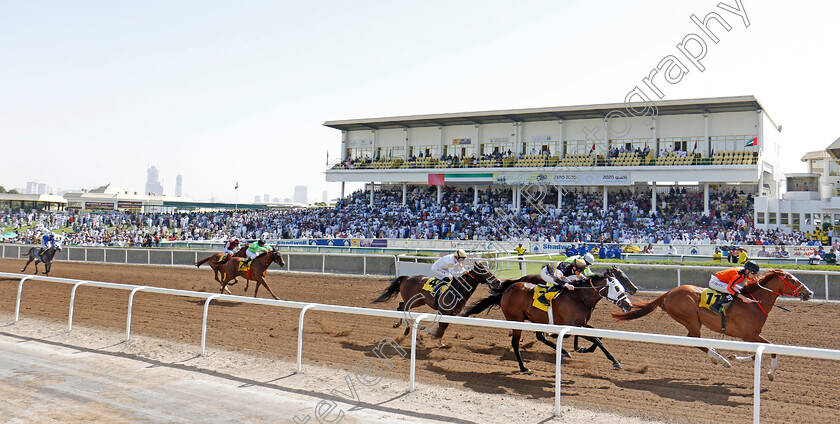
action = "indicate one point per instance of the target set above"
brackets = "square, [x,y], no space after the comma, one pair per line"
[237,186]
[752,142]
[695,148]
[328,157]
[593,147]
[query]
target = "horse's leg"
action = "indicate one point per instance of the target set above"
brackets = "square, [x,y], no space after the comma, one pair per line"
[692,324]
[263,282]
[399,309]
[774,363]
[36,266]
[596,341]
[27,264]
[439,334]
[541,337]
[47,266]
[514,342]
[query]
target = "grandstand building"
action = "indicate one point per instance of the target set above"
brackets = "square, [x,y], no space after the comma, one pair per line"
[705,144]
[811,200]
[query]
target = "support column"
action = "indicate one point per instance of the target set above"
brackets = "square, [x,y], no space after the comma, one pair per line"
[475,195]
[561,148]
[371,194]
[706,199]
[405,147]
[373,143]
[653,198]
[605,200]
[405,188]
[559,198]
[343,154]
[516,198]
[342,189]
[708,143]
[440,144]
[439,194]
[654,141]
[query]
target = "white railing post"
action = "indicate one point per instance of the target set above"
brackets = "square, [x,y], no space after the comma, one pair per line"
[148,257]
[679,277]
[171,257]
[757,385]
[20,289]
[323,263]
[300,335]
[558,361]
[128,317]
[72,303]
[826,286]
[364,265]
[204,322]
[413,364]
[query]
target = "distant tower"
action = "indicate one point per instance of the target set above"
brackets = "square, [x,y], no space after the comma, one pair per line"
[257,199]
[179,181]
[324,197]
[31,188]
[276,200]
[265,198]
[153,185]
[300,194]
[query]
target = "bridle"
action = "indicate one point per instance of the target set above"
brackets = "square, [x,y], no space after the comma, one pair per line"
[788,285]
[622,296]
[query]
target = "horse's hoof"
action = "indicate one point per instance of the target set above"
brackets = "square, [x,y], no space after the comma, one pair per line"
[581,350]
[396,325]
[566,355]
[525,371]
[771,376]
[441,344]
[617,366]
[276,298]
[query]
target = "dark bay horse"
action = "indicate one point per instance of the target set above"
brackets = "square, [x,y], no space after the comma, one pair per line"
[46,258]
[744,320]
[259,267]
[219,266]
[571,307]
[450,302]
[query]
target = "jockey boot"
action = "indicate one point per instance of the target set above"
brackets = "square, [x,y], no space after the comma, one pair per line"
[41,253]
[223,258]
[717,307]
[246,263]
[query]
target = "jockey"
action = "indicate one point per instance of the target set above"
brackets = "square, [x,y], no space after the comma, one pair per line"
[254,250]
[48,240]
[231,247]
[563,274]
[730,282]
[588,258]
[450,266]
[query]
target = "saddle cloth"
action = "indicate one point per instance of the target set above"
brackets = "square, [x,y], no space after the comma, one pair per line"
[709,297]
[541,298]
[433,285]
[243,266]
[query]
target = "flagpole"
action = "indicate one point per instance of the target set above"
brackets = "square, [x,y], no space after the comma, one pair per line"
[236,197]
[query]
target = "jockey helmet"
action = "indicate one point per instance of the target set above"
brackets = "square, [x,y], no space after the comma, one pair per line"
[460,254]
[261,242]
[751,266]
[588,258]
[579,263]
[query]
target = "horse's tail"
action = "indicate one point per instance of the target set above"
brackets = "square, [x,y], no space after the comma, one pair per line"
[494,299]
[641,309]
[203,261]
[392,290]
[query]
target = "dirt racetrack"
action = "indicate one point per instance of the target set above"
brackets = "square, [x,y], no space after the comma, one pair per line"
[660,382]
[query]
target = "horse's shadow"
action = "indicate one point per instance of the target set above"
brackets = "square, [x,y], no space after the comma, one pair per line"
[499,382]
[683,391]
[216,302]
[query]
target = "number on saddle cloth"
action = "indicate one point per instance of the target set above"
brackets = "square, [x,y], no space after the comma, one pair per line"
[436,286]
[244,265]
[542,296]
[708,298]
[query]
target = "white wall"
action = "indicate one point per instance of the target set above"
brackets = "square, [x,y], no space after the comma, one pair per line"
[681,126]
[392,137]
[732,123]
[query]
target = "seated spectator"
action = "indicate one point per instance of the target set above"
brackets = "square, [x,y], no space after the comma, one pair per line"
[672,250]
[814,259]
[763,253]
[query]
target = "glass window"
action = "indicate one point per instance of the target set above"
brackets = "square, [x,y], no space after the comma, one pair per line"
[773,218]
[785,218]
[760,218]
[795,221]
[807,219]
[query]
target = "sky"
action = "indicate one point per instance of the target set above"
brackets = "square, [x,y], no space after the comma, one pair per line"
[95,92]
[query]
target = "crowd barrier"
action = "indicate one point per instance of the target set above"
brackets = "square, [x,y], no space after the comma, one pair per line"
[757,348]
[351,264]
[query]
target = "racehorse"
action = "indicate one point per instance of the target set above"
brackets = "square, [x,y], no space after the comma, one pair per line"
[571,307]
[449,302]
[46,258]
[744,320]
[258,268]
[219,267]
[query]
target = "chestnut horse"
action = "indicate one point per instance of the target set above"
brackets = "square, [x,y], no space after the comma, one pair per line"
[571,307]
[259,266]
[219,266]
[744,320]
[450,302]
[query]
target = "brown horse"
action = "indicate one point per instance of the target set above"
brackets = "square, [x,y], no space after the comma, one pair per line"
[571,307]
[744,320]
[219,266]
[450,302]
[259,267]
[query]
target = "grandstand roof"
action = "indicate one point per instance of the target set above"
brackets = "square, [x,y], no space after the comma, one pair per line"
[665,107]
[834,149]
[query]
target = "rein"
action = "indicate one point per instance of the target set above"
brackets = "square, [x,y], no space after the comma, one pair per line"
[787,285]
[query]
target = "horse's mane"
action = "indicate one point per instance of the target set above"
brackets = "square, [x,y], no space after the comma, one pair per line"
[762,280]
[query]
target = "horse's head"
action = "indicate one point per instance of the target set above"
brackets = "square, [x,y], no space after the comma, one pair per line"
[611,289]
[622,278]
[784,283]
[277,256]
[482,275]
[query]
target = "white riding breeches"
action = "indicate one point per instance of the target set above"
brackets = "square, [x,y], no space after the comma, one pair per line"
[251,255]
[548,278]
[721,286]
